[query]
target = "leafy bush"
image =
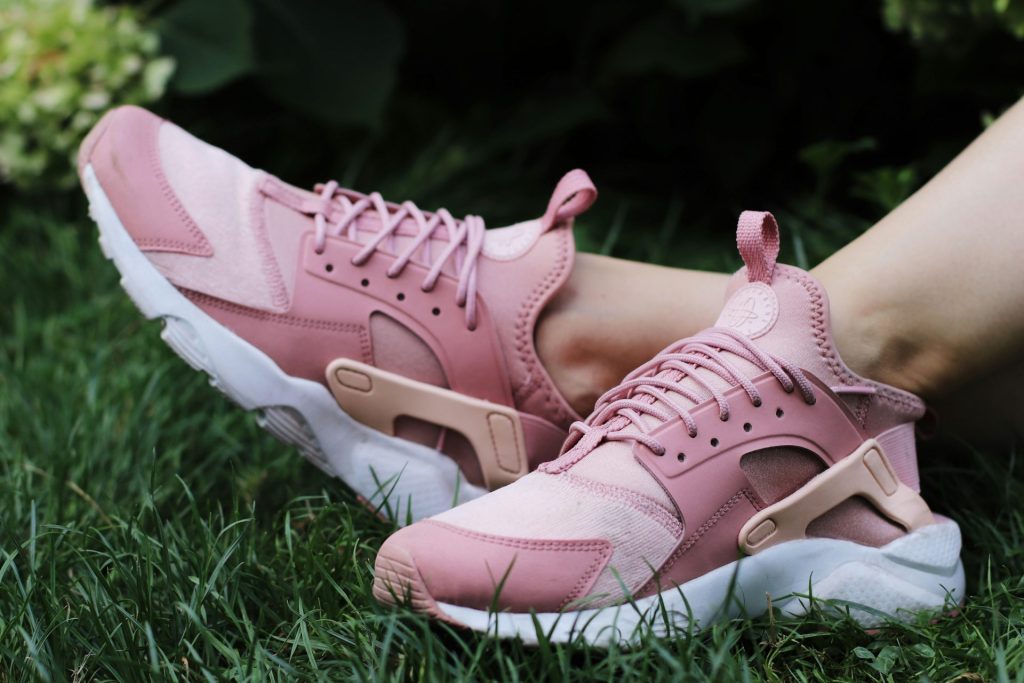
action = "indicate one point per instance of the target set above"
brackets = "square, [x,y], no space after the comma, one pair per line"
[62,63]
[334,61]
[945,21]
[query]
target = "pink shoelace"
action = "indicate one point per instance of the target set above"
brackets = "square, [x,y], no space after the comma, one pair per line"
[645,390]
[468,232]
[465,238]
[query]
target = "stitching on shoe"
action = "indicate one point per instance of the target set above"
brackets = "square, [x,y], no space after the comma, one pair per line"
[271,268]
[203,248]
[587,578]
[636,501]
[523,341]
[602,547]
[526,544]
[690,542]
[306,323]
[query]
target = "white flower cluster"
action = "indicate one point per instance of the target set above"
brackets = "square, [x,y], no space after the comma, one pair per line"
[62,63]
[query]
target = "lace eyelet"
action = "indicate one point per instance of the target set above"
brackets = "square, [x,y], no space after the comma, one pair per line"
[436,311]
[714,443]
[681,457]
[747,426]
[758,403]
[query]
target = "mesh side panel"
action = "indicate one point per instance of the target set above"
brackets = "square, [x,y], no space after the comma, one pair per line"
[775,473]
[855,519]
[398,349]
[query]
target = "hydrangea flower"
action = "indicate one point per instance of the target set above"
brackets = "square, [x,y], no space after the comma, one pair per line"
[62,64]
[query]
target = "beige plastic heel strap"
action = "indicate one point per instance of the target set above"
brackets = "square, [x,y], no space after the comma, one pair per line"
[866,473]
[377,398]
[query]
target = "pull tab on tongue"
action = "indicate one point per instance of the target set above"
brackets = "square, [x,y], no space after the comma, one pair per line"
[573,195]
[753,309]
[757,236]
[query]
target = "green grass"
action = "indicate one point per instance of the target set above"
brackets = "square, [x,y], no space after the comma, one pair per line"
[151,531]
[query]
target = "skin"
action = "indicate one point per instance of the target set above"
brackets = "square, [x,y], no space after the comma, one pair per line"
[930,299]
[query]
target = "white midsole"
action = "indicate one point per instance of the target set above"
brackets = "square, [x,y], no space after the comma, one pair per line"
[402,479]
[918,572]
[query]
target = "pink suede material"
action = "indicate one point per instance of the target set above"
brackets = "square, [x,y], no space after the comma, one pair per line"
[708,546]
[283,226]
[301,346]
[126,161]
[218,191]
[482,570]
[545,507]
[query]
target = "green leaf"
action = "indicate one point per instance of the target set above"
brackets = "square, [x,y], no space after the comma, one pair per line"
[210,41]
[336,61]
[863,653]
[886,659]
[924,650]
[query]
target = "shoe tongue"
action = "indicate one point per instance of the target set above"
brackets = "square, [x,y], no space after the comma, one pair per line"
[782,308]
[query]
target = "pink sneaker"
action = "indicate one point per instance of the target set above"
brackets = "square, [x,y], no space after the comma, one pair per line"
[744,464]
[393,346]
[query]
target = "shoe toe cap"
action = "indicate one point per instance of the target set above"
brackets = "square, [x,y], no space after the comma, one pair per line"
[124,152]
[431,562]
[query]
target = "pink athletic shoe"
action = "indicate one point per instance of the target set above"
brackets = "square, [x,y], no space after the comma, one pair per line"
[392,345]
[741,465]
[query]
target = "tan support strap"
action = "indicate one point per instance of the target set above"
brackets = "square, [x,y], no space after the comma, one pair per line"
[377,398]
[866,473]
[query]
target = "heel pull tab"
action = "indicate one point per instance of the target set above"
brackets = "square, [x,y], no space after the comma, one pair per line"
[573,195]
[757,236]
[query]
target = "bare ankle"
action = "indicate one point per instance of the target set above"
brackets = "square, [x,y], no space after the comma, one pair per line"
[883,345]
[577,367]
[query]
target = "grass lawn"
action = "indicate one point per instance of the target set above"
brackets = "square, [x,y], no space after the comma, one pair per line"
[150,530]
